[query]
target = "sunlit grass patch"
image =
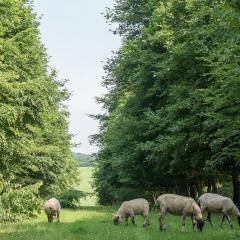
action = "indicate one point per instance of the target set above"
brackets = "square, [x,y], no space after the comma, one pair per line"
[86,186]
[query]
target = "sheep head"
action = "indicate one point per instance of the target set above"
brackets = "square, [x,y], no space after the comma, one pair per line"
[116,219]
[200,224]
[50,218]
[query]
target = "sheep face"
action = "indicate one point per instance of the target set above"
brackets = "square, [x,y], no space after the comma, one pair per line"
[200,224]
[50,218]
[116,220]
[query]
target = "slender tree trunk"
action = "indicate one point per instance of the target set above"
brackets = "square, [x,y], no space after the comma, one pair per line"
[214,185]
[236,188]
[209,187]
[199,187]
[193,190]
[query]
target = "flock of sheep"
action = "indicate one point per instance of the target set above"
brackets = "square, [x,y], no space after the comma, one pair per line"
[179,205]
[168,203]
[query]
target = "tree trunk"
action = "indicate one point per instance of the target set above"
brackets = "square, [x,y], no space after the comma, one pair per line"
[193,190]
[183,189]
[236,188]
[214,185]
[209,187]
[199,187]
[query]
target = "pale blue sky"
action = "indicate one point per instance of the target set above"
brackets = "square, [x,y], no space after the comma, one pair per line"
[78,39]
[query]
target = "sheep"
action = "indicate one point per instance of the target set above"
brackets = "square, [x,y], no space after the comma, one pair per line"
[214,203]
[131,208]
[52,208]
[179,205]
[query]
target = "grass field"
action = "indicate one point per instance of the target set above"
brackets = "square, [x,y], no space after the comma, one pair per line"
[95,223]
[85,186]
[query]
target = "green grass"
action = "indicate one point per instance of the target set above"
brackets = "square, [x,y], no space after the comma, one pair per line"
[95,223]
[85,185]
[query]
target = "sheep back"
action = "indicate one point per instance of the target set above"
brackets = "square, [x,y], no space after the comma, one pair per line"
[138,206]
[216,203]
[177,205]
[52,206]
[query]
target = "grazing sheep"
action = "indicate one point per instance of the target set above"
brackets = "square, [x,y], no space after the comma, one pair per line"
[131,208]
[52,208]
[214,203]
[179,205]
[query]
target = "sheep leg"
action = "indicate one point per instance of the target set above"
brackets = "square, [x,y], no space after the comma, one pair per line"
[58,217]
[148,222]
[183,222]
[193,223]
[223,218]
[133,220]
[126,220]
[145,222]
[161,222]
[49,218]
[209,219]
[131,214]
[229,221]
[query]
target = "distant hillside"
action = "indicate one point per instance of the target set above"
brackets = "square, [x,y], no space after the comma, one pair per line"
[84,160]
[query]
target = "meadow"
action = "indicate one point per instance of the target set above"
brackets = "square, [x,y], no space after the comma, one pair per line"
[85,185]
[95,223]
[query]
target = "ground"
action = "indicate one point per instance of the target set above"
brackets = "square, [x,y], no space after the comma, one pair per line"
[95,223]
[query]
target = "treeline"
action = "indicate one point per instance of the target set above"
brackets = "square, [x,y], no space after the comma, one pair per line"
[172,121]
[35,157]
[83,160]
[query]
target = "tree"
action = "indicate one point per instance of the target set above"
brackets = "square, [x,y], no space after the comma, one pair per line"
[166,125]
[34,142]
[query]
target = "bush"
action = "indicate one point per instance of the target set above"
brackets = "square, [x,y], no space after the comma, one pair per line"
[71,198]
[17,202]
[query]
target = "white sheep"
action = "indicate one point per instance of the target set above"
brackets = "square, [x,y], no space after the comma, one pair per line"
[179,205]
[131,208]
[52,208]
[214,203]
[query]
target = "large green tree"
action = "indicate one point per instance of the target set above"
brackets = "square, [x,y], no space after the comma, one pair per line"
[34,139]
[172,119]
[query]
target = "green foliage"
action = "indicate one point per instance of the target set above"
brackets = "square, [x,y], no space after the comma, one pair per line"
[17,202]
[34,142]
[172,107]
[71,198]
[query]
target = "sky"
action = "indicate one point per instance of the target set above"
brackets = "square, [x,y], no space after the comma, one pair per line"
[78,41]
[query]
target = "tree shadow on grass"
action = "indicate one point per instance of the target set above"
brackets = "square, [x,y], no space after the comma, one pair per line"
[45,231]
[105,209]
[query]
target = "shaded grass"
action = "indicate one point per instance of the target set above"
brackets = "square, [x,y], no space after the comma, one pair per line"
[96,223]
